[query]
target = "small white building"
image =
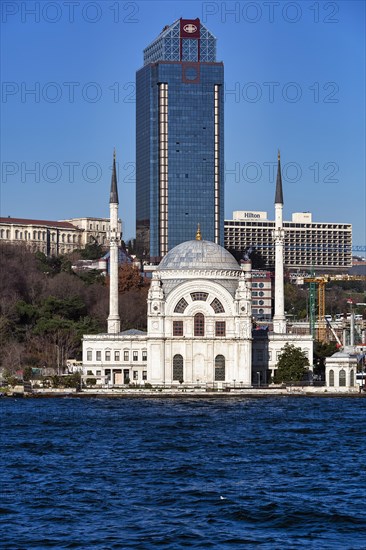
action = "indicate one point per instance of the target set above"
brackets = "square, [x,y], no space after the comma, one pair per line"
[340,370]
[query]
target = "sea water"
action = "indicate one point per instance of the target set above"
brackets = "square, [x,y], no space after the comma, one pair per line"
[269,473]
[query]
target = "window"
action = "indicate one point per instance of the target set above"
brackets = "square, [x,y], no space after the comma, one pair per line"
[181,306]
[219,368]
[89,355]
[144,355]
[331,377]
[98,373]
[177,328]
[135,374]
[220,328]
[352,378]
[199,296]
[135,355]
[217,306]
[342,377]
[116,355]
[107,355]
[144,374]
[99,355]
[178,367]
[199,324]
[126,356]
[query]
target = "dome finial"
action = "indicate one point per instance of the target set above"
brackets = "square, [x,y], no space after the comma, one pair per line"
[198,234]
[278,155]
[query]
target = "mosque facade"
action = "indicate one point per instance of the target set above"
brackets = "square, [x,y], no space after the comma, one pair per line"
[199,319]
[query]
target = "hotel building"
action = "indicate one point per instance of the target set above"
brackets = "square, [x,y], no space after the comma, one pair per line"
[179,140]
[307,244]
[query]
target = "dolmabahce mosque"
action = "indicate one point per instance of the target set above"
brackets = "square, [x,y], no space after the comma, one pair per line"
[199,319]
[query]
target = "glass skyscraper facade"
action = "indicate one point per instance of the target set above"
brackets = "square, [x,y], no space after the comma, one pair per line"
[179,140]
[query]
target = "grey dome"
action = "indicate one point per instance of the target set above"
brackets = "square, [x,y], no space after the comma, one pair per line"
[198,255]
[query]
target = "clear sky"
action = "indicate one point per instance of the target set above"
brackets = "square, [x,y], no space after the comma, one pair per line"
[295,80]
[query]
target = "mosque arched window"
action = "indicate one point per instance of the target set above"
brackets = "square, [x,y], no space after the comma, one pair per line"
[331,377]
[178,367]
[219,368]
[181,306]
[217,306]
[199,324]
[342,377]
[352,378]
[199,296]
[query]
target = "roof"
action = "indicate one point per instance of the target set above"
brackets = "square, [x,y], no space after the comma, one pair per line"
[133,332]
[46,223]
[198,255]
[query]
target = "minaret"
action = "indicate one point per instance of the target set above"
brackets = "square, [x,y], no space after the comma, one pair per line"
[279,319]
[113,318]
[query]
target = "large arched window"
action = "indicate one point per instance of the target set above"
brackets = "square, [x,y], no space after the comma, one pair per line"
[219,368]
[352,378]
[199,324]
[342,377]
[178,367]
[331,377]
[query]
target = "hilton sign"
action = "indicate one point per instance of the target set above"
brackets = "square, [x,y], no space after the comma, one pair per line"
[249,215]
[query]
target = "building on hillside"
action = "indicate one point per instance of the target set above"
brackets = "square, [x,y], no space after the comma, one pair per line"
[94,230]
[55,237]
[199,320]
[179,140]
[50,237]
[308,244]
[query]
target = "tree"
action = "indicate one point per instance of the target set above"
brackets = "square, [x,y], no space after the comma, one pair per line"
[291,365]
[128,278]
[321,351]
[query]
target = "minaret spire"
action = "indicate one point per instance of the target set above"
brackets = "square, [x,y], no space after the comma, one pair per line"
[279,318]
[279,193]
[114,191]
[113,318]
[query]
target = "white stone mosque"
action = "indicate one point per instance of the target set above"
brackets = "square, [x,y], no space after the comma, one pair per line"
[199,321]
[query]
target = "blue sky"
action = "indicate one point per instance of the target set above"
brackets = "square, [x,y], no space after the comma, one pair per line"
[295,80]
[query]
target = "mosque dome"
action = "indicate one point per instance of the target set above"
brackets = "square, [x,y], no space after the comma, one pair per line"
[197,254]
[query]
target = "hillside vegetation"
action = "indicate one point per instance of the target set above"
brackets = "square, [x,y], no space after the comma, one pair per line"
[45,308]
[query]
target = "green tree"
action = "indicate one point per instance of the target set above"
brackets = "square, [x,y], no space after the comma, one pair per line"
[291,365]
[92,251]
[321,351]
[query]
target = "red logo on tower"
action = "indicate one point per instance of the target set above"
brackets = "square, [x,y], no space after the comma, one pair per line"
[190,28]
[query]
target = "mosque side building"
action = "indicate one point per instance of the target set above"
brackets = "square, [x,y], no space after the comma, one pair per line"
[199,319]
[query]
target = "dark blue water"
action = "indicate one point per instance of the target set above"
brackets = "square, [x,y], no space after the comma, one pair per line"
[116,474]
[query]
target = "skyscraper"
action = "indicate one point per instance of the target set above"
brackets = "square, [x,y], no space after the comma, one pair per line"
[179,140]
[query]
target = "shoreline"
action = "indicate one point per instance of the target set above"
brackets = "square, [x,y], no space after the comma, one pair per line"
[168,394]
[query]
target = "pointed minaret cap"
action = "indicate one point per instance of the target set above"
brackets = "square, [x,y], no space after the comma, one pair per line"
[113,198]
[279,193]
[198,234]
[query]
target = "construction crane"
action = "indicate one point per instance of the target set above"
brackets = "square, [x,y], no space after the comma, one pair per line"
[321,281]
